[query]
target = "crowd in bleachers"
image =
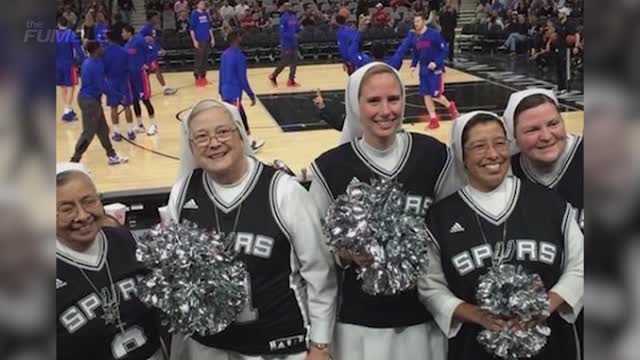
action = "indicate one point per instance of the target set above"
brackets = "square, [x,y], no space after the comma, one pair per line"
[532,27]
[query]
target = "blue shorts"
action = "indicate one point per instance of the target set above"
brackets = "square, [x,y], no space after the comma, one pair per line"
[119,93]
[140,85]
[66,75]
[432,85]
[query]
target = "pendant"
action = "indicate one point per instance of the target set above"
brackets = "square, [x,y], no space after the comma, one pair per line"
[110,307]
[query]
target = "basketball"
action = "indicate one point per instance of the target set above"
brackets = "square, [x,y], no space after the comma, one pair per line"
[344,12]
[571,40]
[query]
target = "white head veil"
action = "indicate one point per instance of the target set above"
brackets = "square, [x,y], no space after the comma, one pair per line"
[514,100]
[63,167]
[455,139]
[352,127]
[187,161]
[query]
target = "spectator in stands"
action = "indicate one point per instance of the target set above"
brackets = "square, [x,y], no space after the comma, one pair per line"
[262,21]
[498,6]
[227,11]
[546,10]
[418,7]
[310,17]
[168,17]
[88,27]
[71,16]
[362,8]
[247,22]
[564,28]
[180,6]
[182,24]
[482,12]
[395,4]
[102,7]
[517,34]
[216,18]
[125,7]
[520,8]
[380,17]
[241,9]
[448,23]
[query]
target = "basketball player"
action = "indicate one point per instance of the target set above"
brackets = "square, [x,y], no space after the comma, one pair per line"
[289,27]
[68,51]
[291,278]
[430,50]
[372,145]
[233,80]
[138,50]
[118,87]
[149,30]
[203,41]
[98,313]
[547,154]
[497,218]
[344,36]
[101,28]
[92,88]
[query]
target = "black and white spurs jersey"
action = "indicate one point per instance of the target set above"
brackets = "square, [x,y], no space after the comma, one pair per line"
[275,322]
[536,221]
[84,331]
[421,171]
[568,181]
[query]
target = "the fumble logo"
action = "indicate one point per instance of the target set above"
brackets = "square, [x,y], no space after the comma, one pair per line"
[520,249]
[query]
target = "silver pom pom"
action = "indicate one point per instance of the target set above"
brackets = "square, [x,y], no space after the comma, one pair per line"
[509,292]
[371,219]
[195,279]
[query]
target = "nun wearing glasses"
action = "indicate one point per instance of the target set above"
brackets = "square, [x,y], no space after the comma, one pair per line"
[291,280]
[373,144]
[497,218]
[99,315]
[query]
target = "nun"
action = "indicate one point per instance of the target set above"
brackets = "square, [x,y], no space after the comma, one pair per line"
[99,315]
[497,218]
[290,275]
[543,151]
[373,144]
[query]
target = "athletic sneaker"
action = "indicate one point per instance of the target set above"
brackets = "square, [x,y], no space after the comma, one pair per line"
[116,137]
[153,129]
[257,144]
[69,117]
[292,83]
[140,129]
[453,110]
[131,135]
[273,80]
[170,91]
[433,124]
[115,160]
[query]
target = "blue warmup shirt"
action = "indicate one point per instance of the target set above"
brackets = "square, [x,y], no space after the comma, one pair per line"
[429,47]
[101,31]
[233,75]
[68,48]
[154,49]
[148,30]
[289,27]
[93,79]
[344,36]
[138,51]
[116,63]
[360,59]
[396,59]
[200,24]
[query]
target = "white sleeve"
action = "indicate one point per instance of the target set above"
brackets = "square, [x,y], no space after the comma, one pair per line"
[570,286]
[449,181]
[319,191]
[434,293]
[299,216]
[176,197]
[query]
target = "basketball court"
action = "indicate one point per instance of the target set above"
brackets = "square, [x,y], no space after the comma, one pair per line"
[284,117]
